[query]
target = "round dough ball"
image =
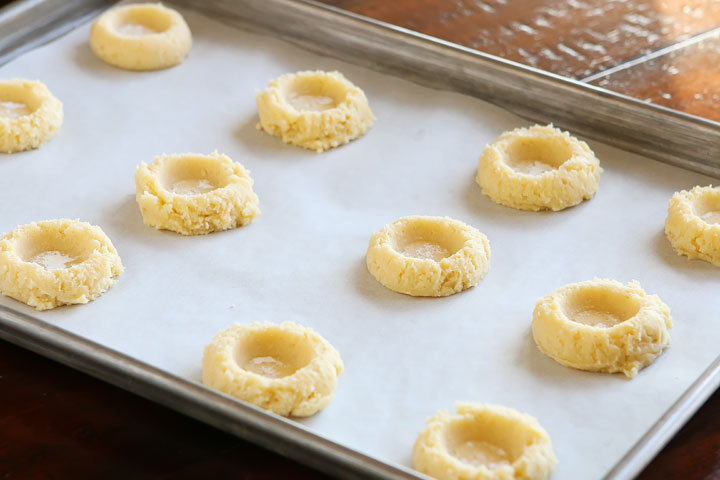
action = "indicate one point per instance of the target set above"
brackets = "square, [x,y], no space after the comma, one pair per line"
[287,369]
[142,36]
[194,194]
[57,262]
[602,326]
[428,256]
[693,223]
[484,442]
[29,115]
[538,168]
[315,110]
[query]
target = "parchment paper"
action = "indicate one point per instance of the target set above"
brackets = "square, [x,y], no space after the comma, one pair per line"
[303,258]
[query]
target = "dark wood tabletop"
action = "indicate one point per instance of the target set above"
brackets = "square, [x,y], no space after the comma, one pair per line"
[58,423]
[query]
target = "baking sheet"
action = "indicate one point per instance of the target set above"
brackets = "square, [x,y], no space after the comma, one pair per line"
[303,259]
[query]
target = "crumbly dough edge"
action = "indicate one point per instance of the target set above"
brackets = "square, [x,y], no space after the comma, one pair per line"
[305,392]
[577,179]
[149,52]
[626,347]
[33,130]
[425,277]
[234,205]
[688,234]
[430,455]
[317,131]
[46,289]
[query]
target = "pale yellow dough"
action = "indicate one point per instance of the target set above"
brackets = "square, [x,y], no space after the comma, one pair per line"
[693,223]
[287,369]
[29,115]
[57,262]
[602,326]
[428,256]
[484,442]
[195,194]
[142,36]
[315,110]
[538,168]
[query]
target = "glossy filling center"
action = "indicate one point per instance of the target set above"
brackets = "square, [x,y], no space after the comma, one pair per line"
[596,318]
[192,186]
[269,366]
[133,29]
[480,453]
[310,103]
[14,109]
[54,260]
[425,250]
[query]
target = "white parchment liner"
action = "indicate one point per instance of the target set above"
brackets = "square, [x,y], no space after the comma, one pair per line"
[303,258]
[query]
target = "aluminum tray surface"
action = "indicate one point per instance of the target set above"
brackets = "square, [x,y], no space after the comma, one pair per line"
[303,259]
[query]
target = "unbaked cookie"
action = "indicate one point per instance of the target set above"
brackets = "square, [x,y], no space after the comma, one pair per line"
[142,36]
[29,115]
[693,223]
[57,262]
[428,256]
[195,194]
[484,442]
[315,110]
[538,168]
[287,368]
[602,326]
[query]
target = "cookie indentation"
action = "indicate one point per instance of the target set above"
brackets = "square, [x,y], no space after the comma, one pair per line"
[538,168]
[145,36]
[428,256]
[486,442]
[693,223]
[287,369]
[602,326]
[195,194]
[314,109]
[57,262]
[29,115]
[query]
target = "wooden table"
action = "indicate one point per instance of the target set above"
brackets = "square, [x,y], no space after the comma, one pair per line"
[58,423]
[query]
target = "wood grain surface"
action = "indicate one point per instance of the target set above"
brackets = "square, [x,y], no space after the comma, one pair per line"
[58,423]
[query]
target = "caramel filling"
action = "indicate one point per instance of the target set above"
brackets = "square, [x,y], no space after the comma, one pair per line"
[192,187]
[269,367]
[14,109]
[53,260]
[425,250]
[480,453]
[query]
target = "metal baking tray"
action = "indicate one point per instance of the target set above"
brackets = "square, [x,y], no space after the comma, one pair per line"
[599,114]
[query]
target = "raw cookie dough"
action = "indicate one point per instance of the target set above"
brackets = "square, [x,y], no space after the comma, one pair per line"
[602,326]
[315,110]
[693,223]
[428,256]
[29,115]
[195,194]
[142,36]
[484,442]
[57,262]
[538,168]
[287,368]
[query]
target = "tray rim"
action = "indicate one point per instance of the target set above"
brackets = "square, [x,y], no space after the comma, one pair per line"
[246,421]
